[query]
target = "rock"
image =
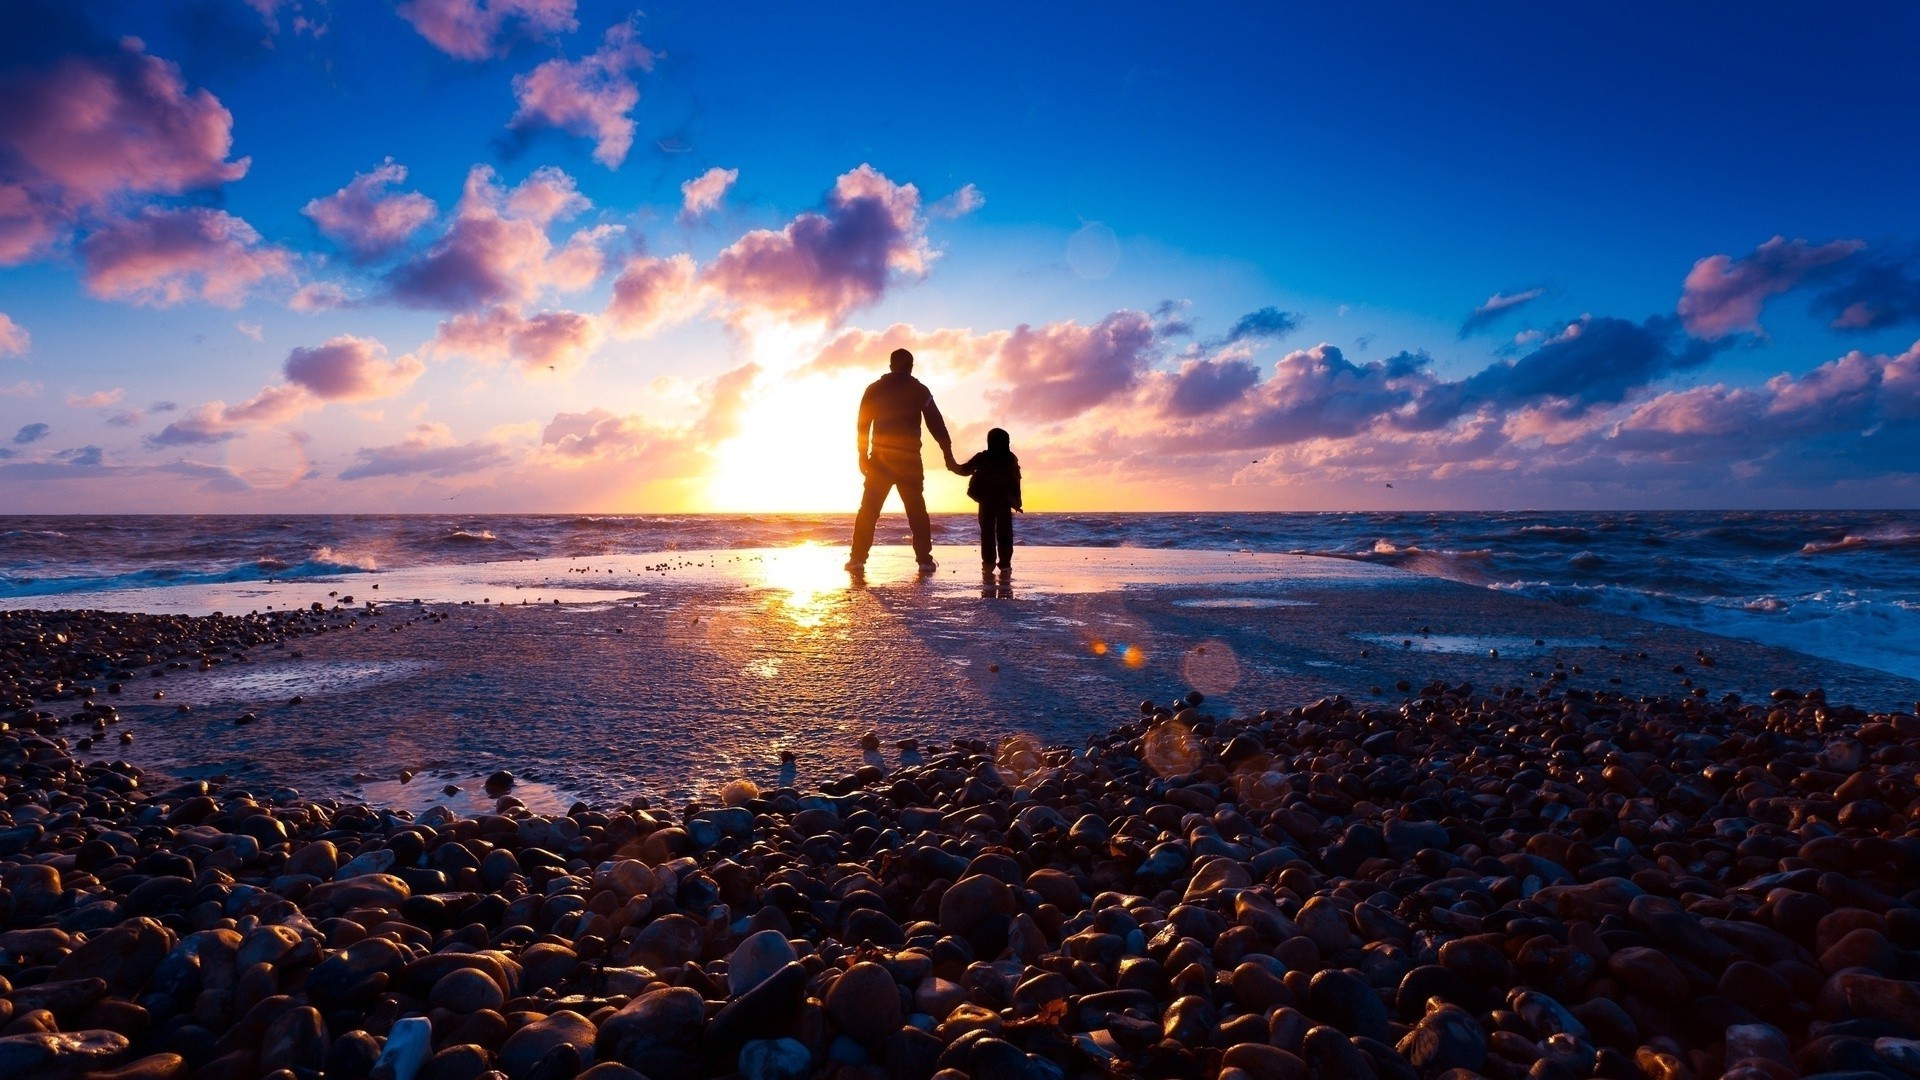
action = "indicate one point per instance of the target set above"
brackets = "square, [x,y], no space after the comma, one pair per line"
[56,1056]
[755,959]
[525,1047]
[124,956]
[1323,924]
[1345,1001]
[774,1059]
[660,1018]
[969,901]
[296,1040]
[1447,1037]
[667,940]
[406,1050]
[864,1002]
[1261,1062]
[466,990]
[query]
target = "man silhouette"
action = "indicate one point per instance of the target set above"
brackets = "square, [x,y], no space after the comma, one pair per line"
[888,440]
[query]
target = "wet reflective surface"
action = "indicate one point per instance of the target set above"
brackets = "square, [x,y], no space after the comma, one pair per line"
[680,673]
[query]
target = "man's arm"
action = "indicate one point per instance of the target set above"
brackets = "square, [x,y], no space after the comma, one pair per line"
[862,425]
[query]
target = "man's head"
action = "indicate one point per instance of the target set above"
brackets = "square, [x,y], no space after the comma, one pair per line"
[901,362]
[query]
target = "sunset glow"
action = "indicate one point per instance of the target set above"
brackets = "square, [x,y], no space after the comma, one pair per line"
[272,255]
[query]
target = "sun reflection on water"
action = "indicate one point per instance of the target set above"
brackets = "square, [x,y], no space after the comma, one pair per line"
[807,579]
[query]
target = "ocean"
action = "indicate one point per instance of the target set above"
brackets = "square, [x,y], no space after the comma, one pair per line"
[1840,585]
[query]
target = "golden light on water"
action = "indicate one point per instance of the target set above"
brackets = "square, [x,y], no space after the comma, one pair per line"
[806,580]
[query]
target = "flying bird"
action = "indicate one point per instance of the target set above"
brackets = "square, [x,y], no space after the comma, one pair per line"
[1389,483]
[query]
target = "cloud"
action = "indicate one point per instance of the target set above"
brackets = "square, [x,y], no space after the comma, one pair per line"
[126,418]
[636,442]
[959,204]
[83,456]
[99,399]
[1594,361]
[1064,368]
[23,389]
[704,192]
[1875,294]
[348,368]
[1723,295]
[14,339]
[216,421]
[497,249]
[31,433]
[824,265]
[79,134]
[651,293]
[1266,324]
[428,449]
[946,351]
[473,29]
[366,218]
[591,97]
[165,257]
[561,340]
[1497,305]
[318,296]
[1313,393]
[1205,386]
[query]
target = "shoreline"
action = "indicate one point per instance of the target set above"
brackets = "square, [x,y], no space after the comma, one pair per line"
[1535,883]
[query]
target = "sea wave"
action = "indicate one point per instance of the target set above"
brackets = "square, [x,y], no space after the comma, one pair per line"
[1876,540]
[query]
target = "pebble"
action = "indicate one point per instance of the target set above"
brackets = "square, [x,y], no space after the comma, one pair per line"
[1521,884]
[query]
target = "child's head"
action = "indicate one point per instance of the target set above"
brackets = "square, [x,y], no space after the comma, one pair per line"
[998,439]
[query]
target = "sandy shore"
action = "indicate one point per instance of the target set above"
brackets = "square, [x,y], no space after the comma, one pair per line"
[671,675]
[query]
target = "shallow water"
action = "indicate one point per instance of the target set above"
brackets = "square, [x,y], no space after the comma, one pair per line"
[1838,585]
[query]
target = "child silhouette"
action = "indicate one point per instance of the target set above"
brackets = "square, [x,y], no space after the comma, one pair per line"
[996,487]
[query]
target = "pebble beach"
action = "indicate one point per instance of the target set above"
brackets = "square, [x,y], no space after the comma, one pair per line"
[1540,880]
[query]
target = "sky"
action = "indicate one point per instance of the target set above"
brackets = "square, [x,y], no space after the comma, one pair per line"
[571,256]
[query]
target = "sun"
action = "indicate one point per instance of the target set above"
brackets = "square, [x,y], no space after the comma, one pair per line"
[793,452]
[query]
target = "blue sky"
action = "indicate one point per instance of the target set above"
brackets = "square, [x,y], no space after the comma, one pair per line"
[1138,180]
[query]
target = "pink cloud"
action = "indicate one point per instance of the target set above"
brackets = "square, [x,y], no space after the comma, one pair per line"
[949,351]
[1064,368]
[472,29]
[497,250]
[217,421]
[704,192]
[80,133]
[318,296]
[591,97]
[651,293]
[99,399]
[428,449]
[561,340]
[166,257]
[826,264]
[368,219]
[1723,295]
[14,339]
[959,204]
[348,368]
[602,436]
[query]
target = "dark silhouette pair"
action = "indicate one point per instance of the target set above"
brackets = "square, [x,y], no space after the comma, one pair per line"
[887,439]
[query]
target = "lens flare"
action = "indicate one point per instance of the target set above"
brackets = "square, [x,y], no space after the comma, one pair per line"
[1171,749]
[1211,668]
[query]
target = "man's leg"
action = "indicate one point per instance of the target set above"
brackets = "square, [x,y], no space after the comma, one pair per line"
[1004,527]
[915,500]
[986,534]
[872,497]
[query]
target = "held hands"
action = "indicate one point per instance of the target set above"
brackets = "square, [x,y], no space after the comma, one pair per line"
[953,466]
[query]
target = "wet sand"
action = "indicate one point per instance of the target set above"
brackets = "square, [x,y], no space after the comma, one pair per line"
[671,675]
